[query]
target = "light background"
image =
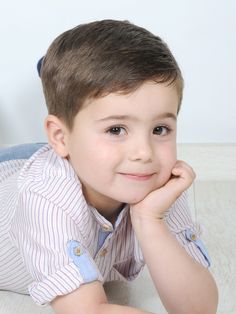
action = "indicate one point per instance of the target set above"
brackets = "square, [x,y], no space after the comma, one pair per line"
[201,35]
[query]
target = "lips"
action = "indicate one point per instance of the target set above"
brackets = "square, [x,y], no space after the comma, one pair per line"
[137,176]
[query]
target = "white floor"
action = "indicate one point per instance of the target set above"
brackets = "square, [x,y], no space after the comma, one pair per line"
[213,203]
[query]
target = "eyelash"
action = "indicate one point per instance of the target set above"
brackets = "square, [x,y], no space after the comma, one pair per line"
[118,128]
[167,129]
[112,128]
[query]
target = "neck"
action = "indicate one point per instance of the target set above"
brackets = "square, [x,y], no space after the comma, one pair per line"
[107,207]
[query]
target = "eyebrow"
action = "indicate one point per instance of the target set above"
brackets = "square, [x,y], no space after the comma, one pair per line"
[164,115]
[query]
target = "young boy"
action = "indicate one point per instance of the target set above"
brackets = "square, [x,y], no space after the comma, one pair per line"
[107,194]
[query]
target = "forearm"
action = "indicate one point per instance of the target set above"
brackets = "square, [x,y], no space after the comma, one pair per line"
[106,308]
[90,299]
[183,284]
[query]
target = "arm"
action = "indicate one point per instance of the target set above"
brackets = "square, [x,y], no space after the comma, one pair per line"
[182,283]
[89,299]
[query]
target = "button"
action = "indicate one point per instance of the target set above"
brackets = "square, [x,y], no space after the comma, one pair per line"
[106,228]
[190,235]
[81,258]
[77,251]
[193,237]
[103,252]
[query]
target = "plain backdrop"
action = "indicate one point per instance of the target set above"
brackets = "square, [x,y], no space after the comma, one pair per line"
[201,35]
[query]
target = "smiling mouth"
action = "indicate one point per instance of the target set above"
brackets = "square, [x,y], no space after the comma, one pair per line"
[137,176]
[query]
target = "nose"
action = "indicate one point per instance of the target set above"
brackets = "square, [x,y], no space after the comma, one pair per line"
[141,150]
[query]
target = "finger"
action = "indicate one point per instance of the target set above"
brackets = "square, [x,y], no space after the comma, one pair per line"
[181,168]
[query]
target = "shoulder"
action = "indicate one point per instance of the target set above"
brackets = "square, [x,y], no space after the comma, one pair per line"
[45,164]
[10,169]
[48,177]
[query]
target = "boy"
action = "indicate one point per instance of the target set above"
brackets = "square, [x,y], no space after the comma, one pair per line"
[107,193]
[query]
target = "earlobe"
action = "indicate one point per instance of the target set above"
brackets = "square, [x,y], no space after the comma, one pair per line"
[56,133]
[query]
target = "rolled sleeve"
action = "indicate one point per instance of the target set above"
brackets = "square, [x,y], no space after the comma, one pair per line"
[65,280]
[52,250]
[187,232]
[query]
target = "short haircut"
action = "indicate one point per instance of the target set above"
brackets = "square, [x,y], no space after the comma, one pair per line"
[102,57]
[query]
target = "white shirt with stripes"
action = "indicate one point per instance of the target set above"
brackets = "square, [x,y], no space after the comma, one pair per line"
[52,241]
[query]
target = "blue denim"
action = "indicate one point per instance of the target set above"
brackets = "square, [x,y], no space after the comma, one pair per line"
[24,151]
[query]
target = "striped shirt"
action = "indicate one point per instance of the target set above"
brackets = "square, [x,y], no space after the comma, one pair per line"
[52,241]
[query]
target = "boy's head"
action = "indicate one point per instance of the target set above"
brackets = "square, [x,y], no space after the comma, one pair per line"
[95,59]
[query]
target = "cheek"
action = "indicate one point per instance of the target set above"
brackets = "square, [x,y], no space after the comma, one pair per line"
[171,163]
[97,155]
[167,162]
[168,155]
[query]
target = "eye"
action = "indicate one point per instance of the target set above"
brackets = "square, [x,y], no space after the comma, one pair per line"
[116,130]
[161,130]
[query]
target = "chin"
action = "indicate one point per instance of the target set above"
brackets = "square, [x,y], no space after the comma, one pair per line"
[135,198]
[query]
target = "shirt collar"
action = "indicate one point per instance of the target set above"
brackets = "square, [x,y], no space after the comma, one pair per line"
[105,222]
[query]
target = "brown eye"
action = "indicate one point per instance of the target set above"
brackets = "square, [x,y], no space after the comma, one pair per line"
[161,130]
[116,130]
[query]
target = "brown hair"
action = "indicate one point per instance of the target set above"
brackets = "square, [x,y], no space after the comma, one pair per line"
[102,57]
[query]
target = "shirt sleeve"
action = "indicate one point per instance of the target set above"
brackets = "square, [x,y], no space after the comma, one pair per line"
[180,223]
[52,249]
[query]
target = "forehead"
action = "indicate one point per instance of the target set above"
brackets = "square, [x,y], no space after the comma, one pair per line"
[148,98]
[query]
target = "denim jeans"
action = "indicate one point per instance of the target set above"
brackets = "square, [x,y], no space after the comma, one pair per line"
[24,151]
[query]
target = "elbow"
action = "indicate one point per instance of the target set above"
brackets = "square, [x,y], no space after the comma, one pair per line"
[208,298]
[214,301]
[99,308]
[209,303]
[205,302]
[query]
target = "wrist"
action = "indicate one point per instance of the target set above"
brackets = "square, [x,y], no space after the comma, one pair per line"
[150,232]
[141,221]
[146,217]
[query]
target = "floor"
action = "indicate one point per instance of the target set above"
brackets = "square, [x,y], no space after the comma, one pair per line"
[213,204]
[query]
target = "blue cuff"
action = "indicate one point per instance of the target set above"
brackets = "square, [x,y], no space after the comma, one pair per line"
[191,236]
[82,260]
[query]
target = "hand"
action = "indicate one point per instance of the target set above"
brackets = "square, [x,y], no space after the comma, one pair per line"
[157,202]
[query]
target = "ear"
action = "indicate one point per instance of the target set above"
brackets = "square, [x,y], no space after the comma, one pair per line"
[57,134]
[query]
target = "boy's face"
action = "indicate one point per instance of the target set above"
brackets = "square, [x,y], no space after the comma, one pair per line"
[122,147]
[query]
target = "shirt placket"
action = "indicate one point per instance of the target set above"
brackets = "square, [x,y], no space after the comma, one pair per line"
[105,234]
